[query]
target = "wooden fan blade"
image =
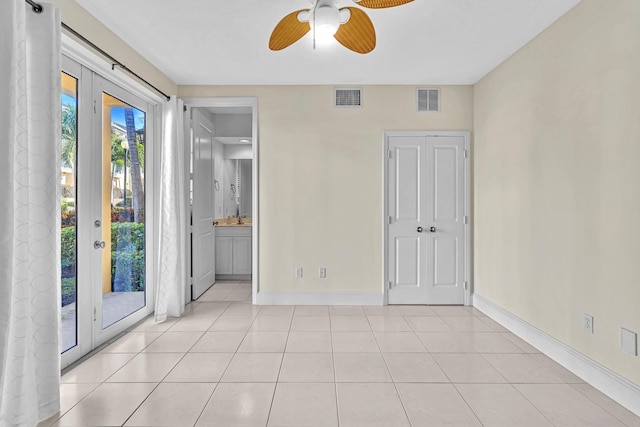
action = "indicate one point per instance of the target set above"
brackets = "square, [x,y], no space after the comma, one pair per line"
[357,34]
[381,4]
[288,31]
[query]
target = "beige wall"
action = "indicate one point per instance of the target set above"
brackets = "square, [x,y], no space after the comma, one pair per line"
[321,178]
[557,193]
[85,24]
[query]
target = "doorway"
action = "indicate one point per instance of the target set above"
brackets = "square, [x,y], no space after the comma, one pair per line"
[106,216]
[233,187]
[427,230]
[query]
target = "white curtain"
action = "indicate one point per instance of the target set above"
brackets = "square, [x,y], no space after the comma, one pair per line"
[30,224]
[170,291]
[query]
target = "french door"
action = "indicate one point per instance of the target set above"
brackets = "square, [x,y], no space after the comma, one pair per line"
[427,231]
[106,236]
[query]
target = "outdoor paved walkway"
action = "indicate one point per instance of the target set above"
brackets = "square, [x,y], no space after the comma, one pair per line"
[115,306]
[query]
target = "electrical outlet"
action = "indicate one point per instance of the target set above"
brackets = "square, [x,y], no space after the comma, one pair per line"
[298,272]
[629,341]
[588,323]
[323,272]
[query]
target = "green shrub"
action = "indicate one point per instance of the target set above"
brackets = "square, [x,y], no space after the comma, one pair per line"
[68,248]
[127,270]
[127,234]
[68,290]
[127,256]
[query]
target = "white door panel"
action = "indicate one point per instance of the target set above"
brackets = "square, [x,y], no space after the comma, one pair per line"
[203,235]
[406,208]
[445,183]
[407,270]
[407,203]
[445,160]
[426,235]
[445,253]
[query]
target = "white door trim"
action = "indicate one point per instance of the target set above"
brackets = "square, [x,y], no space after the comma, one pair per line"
[467,205]
[242,101]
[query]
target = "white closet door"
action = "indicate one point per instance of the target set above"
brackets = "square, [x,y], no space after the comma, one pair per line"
[407,204]
[426,196]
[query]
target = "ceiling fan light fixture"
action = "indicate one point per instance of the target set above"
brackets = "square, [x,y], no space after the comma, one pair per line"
[325,22]
[349,26]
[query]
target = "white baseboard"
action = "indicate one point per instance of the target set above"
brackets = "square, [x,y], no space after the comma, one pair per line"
[320,298]
[604,379]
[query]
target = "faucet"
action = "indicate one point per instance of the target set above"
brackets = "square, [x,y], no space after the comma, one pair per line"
[239,219]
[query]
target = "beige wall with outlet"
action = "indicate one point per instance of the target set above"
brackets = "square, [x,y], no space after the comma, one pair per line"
[89,27]
[320,178]
[557,181]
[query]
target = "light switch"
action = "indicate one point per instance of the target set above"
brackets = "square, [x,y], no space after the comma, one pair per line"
[629,341]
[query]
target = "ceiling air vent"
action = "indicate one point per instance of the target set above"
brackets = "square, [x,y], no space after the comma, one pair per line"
[348,97]
[429,99]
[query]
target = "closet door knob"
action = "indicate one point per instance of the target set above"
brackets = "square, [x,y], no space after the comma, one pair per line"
[419,230]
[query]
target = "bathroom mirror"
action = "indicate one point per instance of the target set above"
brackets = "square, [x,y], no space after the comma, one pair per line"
[237,194]
[244,185]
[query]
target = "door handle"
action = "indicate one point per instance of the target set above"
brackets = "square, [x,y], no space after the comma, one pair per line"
[419,230]
[432,229]
[99,244]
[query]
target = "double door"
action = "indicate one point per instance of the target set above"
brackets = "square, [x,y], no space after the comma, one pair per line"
[427,232]
[106,228]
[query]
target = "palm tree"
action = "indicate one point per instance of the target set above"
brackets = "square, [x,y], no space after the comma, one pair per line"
[69,137]
[137,189]
[117,158]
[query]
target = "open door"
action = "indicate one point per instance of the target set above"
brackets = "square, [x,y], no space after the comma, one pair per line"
[203,256]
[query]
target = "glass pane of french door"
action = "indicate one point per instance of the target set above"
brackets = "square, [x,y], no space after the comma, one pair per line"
[123,209]
[68,168]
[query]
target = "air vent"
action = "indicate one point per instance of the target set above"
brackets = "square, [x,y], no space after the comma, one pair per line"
[429,99]
[348,97]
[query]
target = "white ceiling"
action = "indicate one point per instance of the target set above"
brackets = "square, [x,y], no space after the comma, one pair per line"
[225,42]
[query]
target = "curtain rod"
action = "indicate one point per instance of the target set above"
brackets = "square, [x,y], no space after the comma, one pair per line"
[37,8]
[114,62]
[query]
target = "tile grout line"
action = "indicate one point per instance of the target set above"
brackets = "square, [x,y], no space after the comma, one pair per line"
[275,388]
[228,364]
[532,404]
[333,360]
[164,377]
[386,364]
[454,384]
[455,387]
[105,381]
[573,386]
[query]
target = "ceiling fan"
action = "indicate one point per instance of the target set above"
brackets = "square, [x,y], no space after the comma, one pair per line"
[350,26]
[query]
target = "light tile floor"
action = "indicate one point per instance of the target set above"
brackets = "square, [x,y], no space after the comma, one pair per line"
[228,363]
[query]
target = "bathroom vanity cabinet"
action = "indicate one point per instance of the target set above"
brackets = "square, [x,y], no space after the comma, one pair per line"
[233,252]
